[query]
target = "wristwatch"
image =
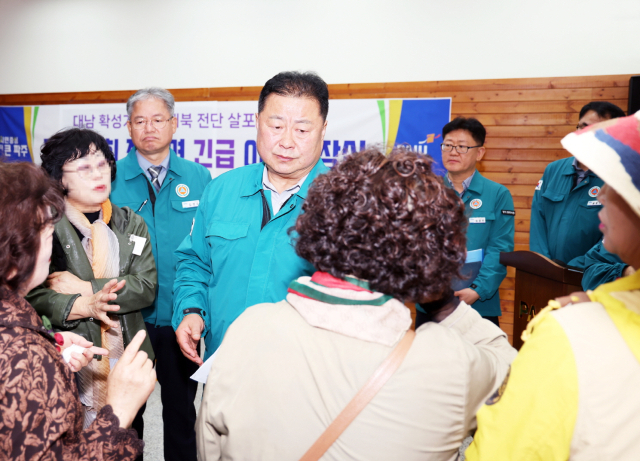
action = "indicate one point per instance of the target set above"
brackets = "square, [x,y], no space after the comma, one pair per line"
[194,310]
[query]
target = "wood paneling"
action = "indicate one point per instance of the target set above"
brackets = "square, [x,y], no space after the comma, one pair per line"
[525,119]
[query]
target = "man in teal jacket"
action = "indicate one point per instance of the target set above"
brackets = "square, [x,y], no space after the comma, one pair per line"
[564,211]
[490,209]
[165,190]
[240,252]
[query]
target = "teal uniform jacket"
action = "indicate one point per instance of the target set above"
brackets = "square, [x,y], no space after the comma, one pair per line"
[228,263]
[564,221]
[600,266]
[169,220]
[491,227]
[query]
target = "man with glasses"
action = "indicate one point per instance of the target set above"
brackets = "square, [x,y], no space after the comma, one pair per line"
[165,190]
[489,207]
[564,211]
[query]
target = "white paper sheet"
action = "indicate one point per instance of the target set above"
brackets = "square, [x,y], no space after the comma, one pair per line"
[202,373]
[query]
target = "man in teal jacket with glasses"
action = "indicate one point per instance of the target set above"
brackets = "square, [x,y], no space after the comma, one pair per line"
[239,252]
[165,190]
[489,208]
[564,211]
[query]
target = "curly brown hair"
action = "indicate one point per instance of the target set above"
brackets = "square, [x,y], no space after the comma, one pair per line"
[27,193]
[386,219]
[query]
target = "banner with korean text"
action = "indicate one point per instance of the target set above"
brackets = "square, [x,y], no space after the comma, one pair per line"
[221,135]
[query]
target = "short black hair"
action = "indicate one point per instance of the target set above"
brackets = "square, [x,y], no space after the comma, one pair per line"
[472,125]
[604,109]
[71,144]
[298,84]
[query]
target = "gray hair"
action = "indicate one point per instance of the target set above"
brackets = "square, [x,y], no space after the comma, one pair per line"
[149,93]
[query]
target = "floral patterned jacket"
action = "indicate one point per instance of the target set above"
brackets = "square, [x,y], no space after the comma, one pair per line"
[40,413]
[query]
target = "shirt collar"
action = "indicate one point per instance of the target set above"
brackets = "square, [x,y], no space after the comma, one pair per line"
[576,167]
[465,184]
[146,164]
[268,185]
[254,185]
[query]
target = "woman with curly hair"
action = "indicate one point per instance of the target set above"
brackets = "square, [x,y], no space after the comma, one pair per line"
[41,417]
[380,231]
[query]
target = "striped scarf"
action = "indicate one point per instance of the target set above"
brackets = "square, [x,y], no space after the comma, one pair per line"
[103,252]
[349,307]
[99,242]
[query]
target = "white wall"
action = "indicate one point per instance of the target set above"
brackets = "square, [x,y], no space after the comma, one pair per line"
[86,45]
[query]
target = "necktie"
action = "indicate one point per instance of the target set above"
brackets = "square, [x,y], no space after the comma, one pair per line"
[154,171]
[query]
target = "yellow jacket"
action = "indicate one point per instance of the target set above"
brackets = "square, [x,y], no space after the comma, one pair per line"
[572,392]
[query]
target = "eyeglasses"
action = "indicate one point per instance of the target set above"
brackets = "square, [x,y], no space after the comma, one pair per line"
[157,123]
[446,147]
[86,171]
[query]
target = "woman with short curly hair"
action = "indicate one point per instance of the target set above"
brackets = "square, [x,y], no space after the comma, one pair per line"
[380,230]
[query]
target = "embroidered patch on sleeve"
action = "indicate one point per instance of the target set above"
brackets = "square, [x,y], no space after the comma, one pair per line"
[539,186]
[509,212]
[498,393]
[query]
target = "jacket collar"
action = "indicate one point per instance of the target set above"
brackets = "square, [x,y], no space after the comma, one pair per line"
[254,184]
[477,183]
[132,169]
[569,170]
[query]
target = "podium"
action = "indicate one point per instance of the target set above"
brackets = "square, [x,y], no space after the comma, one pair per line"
[538,279]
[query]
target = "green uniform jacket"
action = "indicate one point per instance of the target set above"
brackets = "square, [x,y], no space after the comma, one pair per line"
[228,263]
[491,227]
[169,220]
[564,221]
[600,266]
[138,270]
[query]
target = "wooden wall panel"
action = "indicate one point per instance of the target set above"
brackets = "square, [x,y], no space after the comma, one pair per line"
[525,119]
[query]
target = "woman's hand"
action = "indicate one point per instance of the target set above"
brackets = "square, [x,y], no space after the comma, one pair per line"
[576,297]
[131,381]
[79,360]
[96,306]
[68,284]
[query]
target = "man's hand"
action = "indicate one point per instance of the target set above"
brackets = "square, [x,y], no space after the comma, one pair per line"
[68,284]
[468,295]
[131,381]
[629,270]
[96,306]
[80,360]
[188,336]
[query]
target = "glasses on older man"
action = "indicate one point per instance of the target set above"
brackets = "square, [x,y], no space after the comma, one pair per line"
[86,171]
[447,147]
[156,123]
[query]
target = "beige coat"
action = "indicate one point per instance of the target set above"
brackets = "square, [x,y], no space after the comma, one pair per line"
[277,383]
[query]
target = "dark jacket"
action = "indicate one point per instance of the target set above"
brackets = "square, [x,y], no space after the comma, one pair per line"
[41,413]
[138,270]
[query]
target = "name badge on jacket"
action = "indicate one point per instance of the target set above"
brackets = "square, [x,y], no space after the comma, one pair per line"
[477,220]
[191,204]
[138,244]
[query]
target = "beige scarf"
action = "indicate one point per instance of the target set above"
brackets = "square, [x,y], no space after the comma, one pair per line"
[103,252]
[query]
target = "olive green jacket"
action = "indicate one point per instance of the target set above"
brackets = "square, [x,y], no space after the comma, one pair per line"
[138,270]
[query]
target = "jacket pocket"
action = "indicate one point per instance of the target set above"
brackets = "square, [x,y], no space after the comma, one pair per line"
[228,230]
[553,196]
